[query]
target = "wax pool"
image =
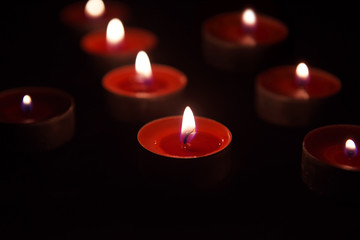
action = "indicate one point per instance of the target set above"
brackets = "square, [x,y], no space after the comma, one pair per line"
[163,137]
[201,145]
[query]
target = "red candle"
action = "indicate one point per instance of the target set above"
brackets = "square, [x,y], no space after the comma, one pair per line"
[187,149]
[330,161]
[144,91]
[90,15]
[117,45]
[35,118]
[239,41]
[294,95]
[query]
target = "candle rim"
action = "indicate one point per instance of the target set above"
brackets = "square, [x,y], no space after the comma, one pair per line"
[198,119]
[315,131]
[181,82]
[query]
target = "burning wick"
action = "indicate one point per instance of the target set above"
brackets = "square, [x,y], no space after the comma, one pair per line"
[26,104]
[350,148]
[188,127]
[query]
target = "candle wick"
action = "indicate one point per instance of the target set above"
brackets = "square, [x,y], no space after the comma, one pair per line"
[350,154]
[187,136]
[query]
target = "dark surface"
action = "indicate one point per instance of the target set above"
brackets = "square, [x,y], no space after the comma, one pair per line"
[91,189]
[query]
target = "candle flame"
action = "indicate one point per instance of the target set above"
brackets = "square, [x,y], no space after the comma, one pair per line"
[302,74]
[188,127]
[115,32]
[143,67]
[94,8]
[26,103]
[350,148]
[249,19]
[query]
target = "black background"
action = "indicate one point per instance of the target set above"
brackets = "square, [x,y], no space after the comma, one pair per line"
[91,189]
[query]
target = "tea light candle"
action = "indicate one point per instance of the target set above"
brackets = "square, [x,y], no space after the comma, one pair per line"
[144,91]
[241,41]
[35,118]
[330,162]
[294,95]
[185,150]
[117,45]
[86,16]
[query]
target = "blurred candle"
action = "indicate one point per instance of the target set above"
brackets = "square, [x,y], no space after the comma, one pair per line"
[294,95]
[242,41]
[330,161]
[35,119]
[85,16]
[117,45]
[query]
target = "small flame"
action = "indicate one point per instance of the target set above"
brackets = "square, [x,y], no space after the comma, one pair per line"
[94,8]
[143,67]
[302,74]
[188,127]
[26,104]
[249,19]
[350,148]
[115,32]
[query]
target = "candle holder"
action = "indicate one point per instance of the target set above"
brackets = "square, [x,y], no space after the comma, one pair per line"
[280,99]
[328,168]
[43,121]
[168,161]
[230,46]
[133,98]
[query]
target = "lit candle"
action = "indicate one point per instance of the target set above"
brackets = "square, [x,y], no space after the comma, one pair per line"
[241,41]
[330,162]
[144,91]
[85,16]
[185,150]
[116,45]
[35,118]
[26,104]
[294,95]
